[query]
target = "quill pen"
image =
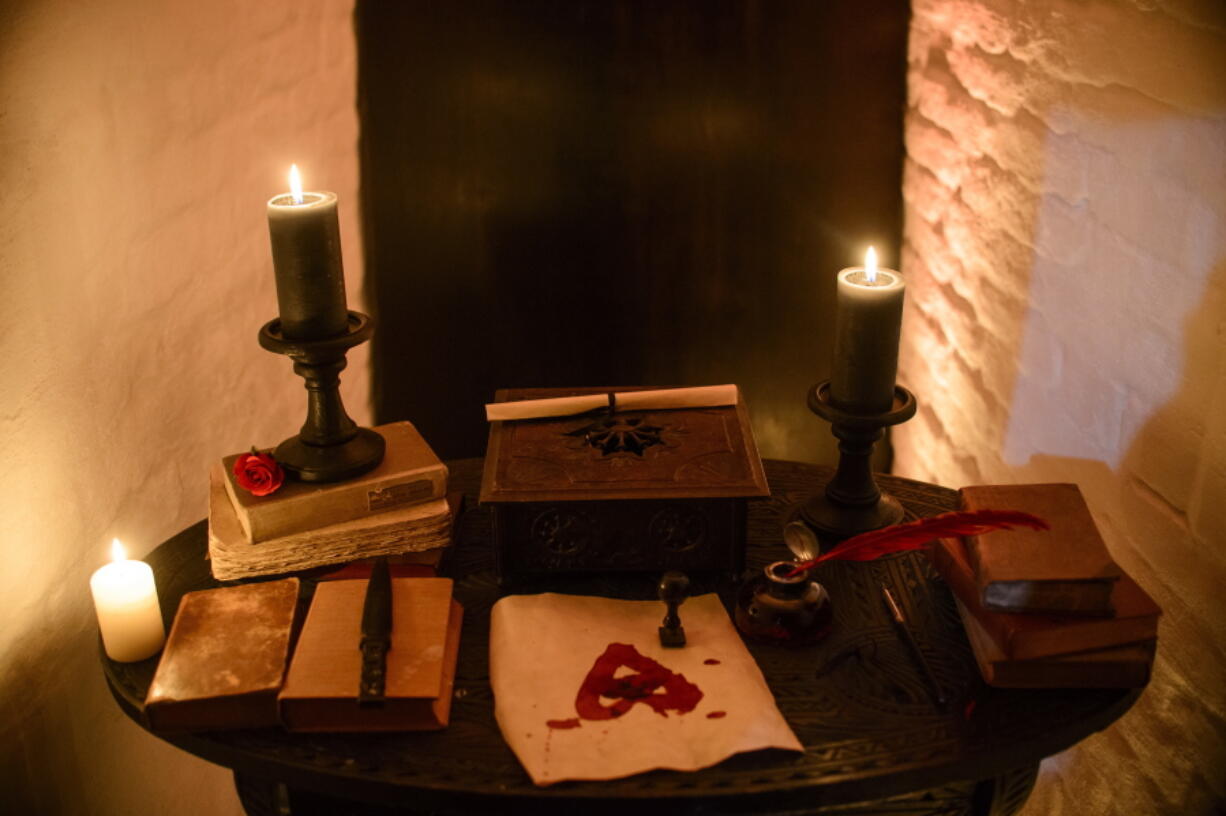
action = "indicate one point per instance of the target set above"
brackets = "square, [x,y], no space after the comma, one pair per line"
[917,535]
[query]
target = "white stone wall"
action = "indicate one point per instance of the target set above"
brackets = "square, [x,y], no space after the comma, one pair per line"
[1065,251]
[139,141]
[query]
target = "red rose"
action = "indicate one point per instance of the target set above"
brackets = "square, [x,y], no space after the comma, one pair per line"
[258,473]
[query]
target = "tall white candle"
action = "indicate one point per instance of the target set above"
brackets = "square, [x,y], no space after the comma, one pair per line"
[126,600]
[866,337]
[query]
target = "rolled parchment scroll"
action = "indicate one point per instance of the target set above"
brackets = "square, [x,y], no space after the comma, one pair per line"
[706,396]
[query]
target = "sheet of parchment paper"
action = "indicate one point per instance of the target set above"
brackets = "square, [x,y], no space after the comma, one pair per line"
[542,647]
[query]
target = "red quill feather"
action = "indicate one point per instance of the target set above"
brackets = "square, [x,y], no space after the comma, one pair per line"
[916,535]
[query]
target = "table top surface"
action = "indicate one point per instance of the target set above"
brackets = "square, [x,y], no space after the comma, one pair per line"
[856,700]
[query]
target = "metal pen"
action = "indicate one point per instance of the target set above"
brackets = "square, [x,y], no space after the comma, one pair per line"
[900,623]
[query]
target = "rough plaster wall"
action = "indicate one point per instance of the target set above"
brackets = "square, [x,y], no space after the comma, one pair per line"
[1065,248]
[139,140]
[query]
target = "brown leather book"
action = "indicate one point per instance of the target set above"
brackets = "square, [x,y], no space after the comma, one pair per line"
[1066,569]
[225,658]
[320,691]
[1025,636]
[409,474]
[1115,667]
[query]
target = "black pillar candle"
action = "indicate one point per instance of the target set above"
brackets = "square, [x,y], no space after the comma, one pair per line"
[306,257]
[866,332]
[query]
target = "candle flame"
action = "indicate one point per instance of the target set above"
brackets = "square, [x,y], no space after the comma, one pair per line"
[295,184]
[870,265]
[117,551]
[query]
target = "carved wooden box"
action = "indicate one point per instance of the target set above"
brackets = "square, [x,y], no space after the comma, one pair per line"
[635,490]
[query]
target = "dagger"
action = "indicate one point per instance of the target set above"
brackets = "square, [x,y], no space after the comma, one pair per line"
[376,635]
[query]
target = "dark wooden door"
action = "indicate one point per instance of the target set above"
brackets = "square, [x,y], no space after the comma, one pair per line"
[606,192]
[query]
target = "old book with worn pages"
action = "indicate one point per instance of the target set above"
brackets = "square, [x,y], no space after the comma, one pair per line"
[409,474]
[321,687]
[1066,569]
[418,527]
[225,658]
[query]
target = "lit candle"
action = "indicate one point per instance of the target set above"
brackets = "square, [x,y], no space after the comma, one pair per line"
[866,337]
[306,258]
[126,601]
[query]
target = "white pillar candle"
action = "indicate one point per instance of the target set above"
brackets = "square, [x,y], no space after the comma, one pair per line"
[866,337]
[126,600]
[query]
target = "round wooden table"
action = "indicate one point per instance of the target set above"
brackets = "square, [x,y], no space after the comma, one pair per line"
[874,739]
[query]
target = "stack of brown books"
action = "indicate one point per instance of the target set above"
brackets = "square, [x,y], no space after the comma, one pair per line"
[398,507]
[1048,609]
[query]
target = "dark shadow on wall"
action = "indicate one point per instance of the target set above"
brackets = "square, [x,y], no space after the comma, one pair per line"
[1185,702]
[583,192]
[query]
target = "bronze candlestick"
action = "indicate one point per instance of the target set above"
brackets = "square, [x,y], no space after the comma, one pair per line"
[852,503]
[330,447]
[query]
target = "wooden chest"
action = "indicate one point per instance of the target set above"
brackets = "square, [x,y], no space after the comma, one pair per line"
[627,491]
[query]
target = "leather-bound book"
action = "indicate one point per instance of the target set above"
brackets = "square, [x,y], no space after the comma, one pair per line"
[321,687]
[1066,569]
[409,474]
[225,658]
[1115,667]
[1023,636]
[415,528]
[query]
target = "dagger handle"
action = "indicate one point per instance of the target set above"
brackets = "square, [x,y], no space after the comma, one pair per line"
[376,635]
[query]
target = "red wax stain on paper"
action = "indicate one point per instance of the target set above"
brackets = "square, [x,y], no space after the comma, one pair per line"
[717,715]
[710,661]
[652,684]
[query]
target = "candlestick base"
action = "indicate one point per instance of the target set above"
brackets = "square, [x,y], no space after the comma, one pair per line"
[852,503]
[330,447]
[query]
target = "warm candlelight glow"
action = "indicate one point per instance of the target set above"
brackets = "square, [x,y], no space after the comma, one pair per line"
[870,265]
[295,184]
[126,602]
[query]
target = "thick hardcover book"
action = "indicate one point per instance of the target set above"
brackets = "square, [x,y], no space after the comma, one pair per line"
[1115,667]
[225,658]
[1066,569]
[409,474]
[416,528]
[320,691]
[1025,636]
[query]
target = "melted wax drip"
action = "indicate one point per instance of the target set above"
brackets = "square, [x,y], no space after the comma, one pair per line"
[710,661]
[717,715]
[644,686]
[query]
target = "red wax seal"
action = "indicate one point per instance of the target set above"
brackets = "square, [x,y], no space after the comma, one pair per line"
[258,473]
[678,694]
[652,684]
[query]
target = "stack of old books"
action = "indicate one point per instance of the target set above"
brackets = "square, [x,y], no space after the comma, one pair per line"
[1048,609]
[400,508]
